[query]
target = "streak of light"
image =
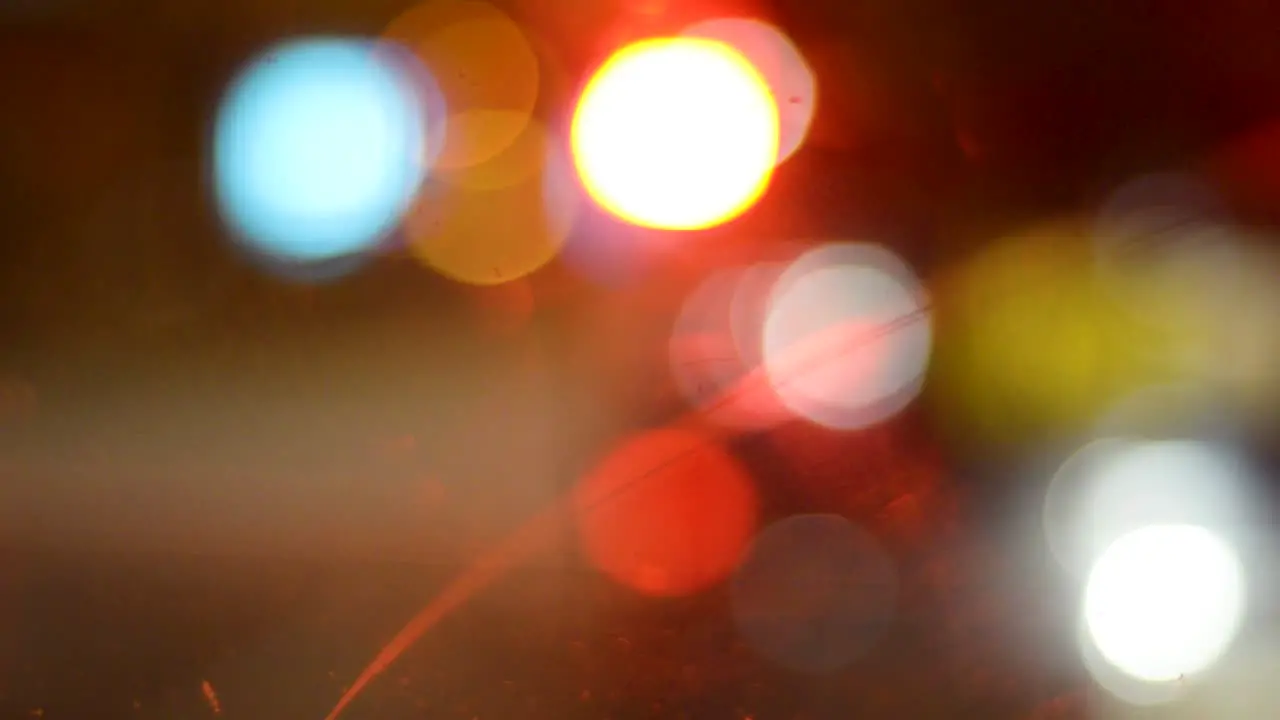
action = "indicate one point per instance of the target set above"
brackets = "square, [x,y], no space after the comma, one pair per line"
[541,528]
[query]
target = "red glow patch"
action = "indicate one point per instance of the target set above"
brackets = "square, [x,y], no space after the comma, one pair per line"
[668,513]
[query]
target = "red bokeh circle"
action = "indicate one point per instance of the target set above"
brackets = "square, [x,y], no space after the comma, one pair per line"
[668,513]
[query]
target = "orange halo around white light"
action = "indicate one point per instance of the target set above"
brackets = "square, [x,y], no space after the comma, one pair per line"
[676,133]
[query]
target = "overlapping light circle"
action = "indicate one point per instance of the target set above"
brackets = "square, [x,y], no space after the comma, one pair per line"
[1036,341]
[499,220]
[848,335]
[783,66]
[1113,486]
[488,73]
[712,369]
[814,593]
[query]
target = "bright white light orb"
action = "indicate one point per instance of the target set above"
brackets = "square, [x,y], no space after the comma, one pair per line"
[318,149]
[1165,601]
[781,63]
[847,336]
[1113,486]
[676,134]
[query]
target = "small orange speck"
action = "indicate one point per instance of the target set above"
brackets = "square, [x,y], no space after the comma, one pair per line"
[211,697]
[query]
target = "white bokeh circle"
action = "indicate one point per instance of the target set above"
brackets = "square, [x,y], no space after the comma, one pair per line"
[848,335]
[1165,601]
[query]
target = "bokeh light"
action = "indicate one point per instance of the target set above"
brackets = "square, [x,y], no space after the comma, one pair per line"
[814,593]
[1113,486]
[749,308]
[608,253]
[1171,250]
[1152,211]
[1034,340]
[1161,236]
[317,149]
[848,335]
[1242,685]
[488,75]
[790,78]
[1218,303]
[502,219]
[667,513]
[710,369]
[1118,685]
[676,133]
[1165,601]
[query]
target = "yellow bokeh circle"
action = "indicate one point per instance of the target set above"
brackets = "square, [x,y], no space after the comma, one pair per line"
[488,74]
[498,221]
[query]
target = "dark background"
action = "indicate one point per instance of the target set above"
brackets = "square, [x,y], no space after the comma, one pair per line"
[208,473]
